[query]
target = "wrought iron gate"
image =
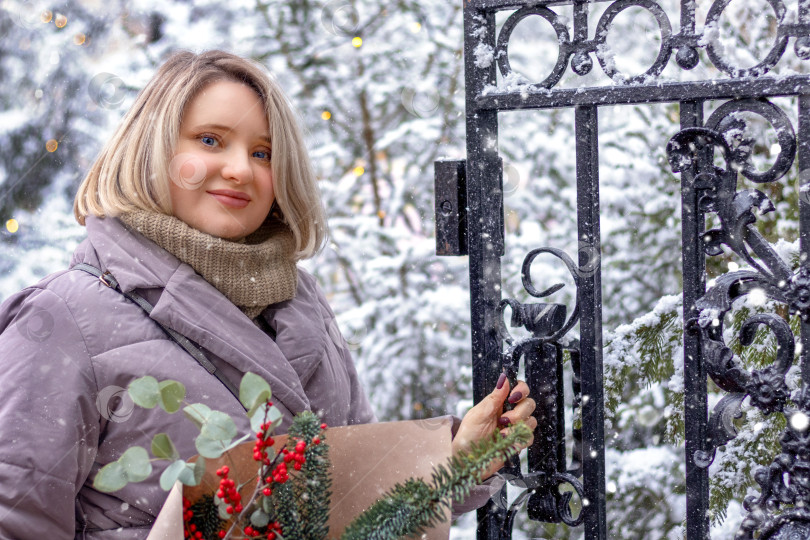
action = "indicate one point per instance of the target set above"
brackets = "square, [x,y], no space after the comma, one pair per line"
[469,214]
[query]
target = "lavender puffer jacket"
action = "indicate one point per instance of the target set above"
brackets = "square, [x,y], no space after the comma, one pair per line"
[70,345]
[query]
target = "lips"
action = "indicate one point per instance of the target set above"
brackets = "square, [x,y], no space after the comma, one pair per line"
[230,198]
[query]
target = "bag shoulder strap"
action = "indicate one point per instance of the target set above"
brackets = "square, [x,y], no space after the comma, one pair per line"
[109,280]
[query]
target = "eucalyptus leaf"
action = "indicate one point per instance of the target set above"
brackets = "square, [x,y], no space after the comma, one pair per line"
[111,477]
[171,395]
[260,518]
[253,391]
[210,448]
[163,447]
[219,426]
[274,417]
[199,470]
[136,465]
[267,504]
[222,508]
[223,514]
[145,392]
[237,442]
[170,474]
[197,413]
[187,475]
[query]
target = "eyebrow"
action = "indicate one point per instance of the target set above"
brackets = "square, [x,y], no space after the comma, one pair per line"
[221,127]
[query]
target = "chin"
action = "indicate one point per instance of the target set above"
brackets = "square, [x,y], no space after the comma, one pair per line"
[226,233]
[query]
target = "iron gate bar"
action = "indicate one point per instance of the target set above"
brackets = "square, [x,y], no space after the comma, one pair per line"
[484,240]
[638,94]
[694,286]
[590,341]
[502,5]
[803,158]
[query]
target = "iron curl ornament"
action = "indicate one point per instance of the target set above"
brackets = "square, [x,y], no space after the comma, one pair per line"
[543,360]
[579,51]
[783,508]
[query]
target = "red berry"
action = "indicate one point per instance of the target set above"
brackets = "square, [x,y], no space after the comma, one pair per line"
[267,491]
[323,426]
[297,466]
[221,534]
[229,509]
[316,440]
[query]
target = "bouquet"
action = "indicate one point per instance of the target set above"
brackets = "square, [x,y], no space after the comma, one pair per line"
[286,494]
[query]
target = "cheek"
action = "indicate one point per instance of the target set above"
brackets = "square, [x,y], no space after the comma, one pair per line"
[188,171]
[182,198]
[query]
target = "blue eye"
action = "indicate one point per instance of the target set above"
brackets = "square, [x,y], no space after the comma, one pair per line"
[207,140]
[261,154]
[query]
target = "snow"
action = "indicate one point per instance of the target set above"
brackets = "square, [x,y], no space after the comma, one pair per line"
[484,55]
[404,312]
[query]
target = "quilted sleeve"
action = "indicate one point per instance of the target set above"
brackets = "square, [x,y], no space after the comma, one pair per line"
[49,422]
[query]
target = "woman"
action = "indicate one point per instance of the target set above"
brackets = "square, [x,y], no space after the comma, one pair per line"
[199,207]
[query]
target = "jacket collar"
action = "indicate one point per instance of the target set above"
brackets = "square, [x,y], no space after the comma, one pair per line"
[190,305]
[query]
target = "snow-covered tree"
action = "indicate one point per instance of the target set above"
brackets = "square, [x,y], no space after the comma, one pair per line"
[380,88]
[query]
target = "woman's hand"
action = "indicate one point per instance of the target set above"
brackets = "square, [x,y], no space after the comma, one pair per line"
[487,416]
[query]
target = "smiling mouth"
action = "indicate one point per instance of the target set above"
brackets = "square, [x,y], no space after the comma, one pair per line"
[231,199]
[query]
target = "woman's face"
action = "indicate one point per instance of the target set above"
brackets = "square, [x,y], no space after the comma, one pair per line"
[221,180]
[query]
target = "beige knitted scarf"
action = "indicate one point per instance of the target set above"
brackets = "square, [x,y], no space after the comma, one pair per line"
[252,273]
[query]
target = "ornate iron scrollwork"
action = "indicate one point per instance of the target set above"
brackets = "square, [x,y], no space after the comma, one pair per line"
[543,358]
[578,51]
[782,508]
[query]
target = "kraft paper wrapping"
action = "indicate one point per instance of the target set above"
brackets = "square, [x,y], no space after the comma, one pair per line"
[367,460]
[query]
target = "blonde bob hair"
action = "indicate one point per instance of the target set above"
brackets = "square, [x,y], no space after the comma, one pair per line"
[132,171]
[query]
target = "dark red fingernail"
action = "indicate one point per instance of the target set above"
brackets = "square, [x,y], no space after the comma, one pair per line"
[515,397]
[504,421]
[501,380]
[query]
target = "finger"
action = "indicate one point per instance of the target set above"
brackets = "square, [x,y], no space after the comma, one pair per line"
[524,408]
[520,391]
[497,397]
[520,412]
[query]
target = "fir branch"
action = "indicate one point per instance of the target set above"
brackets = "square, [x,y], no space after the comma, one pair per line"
[286,509]
[205,517]
[312,486]
[410,508]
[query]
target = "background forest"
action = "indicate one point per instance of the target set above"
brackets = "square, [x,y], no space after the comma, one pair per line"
[380,89]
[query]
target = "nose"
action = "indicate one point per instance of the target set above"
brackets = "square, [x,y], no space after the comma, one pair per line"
[236,166]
